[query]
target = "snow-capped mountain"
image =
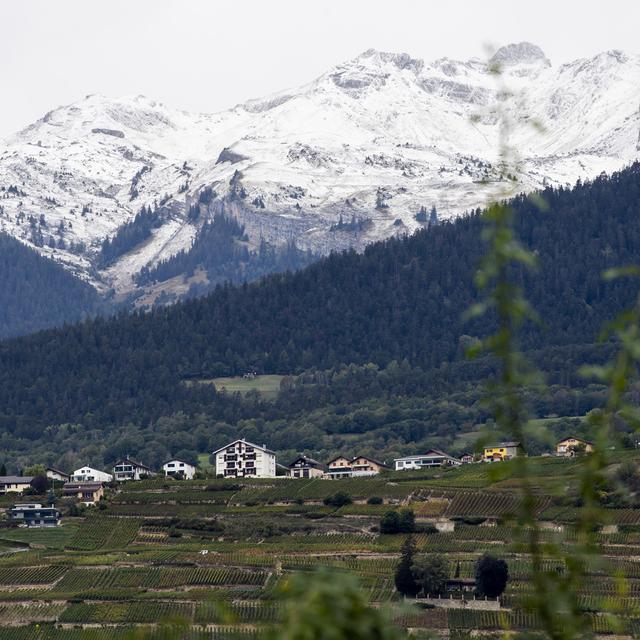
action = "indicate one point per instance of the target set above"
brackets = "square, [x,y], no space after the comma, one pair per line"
[373,141]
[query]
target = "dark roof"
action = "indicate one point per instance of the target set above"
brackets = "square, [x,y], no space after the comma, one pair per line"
[370,459]
[351,460]
[135,463]
[502,444]
[574,438]
[16,479]
[73,487]
[440,453]
[62,473]
[307,460]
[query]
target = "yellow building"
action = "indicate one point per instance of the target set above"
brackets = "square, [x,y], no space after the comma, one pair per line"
[569,445]
[501,451]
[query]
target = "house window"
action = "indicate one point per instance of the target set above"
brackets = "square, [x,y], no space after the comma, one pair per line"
[249,464]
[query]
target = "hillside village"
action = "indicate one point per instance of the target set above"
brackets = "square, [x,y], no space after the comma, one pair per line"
[238,459]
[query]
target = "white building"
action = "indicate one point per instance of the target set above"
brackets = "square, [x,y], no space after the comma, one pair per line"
[87,474]
[432,458]
[242,459]
[179,468]
[128,469]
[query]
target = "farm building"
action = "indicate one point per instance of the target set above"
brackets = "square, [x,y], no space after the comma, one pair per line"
[432,458]
[571,444]
[305,467]
[34,515]
[241,459]
[87,474]
[179,468]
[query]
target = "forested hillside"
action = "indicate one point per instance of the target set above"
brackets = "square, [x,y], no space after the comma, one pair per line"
[401,301]
[36,293]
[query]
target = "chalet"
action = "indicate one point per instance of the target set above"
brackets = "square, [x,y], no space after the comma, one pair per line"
[15,484]
[432,458]
[242,459]
[86,492]
[128,469]
[56,475]
[342,467]
[339,467]
[571,444]
[179,468]
[363,466]
[305,467]
[501,451]
[34,515]
[466,458]
[87,474]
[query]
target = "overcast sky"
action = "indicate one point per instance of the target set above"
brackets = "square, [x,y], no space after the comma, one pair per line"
[207,55]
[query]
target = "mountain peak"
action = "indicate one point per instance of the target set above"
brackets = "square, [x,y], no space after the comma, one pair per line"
[520,53]
[400,60]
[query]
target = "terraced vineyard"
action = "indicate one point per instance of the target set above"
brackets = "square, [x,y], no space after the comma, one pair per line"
[214,554]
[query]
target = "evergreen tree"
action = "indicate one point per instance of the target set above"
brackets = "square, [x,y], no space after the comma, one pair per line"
[492,575]
[406,521]
[404,579]
[433,217]
[431,573]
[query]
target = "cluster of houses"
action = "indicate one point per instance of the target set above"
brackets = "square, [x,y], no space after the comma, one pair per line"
[243,459]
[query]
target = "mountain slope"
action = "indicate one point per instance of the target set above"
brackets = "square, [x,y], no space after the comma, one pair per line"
[402,299]
[371,141]
[36,293]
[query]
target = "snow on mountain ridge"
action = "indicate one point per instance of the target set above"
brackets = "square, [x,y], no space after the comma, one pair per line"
[374,138]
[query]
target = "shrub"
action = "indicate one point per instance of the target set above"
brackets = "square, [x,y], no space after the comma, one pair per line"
[390,522]
[374,500]
[338,499]
[402,521]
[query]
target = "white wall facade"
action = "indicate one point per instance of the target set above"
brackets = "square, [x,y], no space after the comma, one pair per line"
[241,459]
[87,474]
[177,467]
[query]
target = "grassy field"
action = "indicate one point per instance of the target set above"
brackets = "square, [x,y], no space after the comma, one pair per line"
[268,385]
[213,552]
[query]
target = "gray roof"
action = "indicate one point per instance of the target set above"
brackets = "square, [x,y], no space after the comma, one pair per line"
[16,479]
[81,486]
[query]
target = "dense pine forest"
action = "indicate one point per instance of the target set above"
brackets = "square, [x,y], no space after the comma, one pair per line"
[36,293]
[221,250]
[370,343]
